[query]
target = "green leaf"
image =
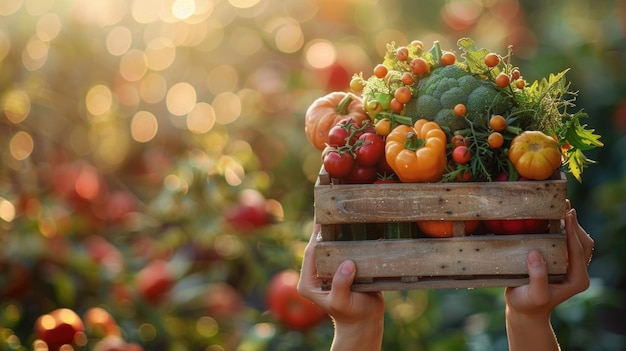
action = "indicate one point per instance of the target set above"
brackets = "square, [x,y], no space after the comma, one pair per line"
[580,138]
[474,57]
[577,161]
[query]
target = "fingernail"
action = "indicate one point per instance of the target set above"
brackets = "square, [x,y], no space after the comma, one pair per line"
[347,268]
[535,259]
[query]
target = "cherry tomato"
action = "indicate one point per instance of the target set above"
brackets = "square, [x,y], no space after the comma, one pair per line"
[495,140]
[380,71]
[338,135]
[402,53]
[448,58]
[370,150]
[419,66]
[383,127]
[461,154]
[357,84]
[503,80]
[460,110]
[497,123]
[407,78]
[520,84]
[458,140]
[403,95]
[515,74]
[396,106]
[362,175]
[338,164]
[492,60]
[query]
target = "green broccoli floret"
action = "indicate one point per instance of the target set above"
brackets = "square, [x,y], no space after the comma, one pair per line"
[448,86]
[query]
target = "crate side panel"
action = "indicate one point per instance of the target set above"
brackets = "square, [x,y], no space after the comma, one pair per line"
[459,256]
[449,201]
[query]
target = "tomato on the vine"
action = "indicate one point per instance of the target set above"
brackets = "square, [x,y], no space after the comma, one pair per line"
[407,78]
[448,58]
[497,123]
[503,80]
[402,53]
[419,66]
[362,175]
[338,164]
[403,95]
[357,84]
[380,71]
[370,149]
[461,154]
[458,140]
[460,110]
[495,140]
[396,106]
[492,60]
[383,127]
[340,133]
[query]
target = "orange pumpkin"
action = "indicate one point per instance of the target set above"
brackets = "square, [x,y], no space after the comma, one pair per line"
[443,229]
[326,111]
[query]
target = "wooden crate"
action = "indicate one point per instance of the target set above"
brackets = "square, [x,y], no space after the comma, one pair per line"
[414,262]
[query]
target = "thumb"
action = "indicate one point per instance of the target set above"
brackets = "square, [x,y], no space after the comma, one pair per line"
[538,274]
[342,280]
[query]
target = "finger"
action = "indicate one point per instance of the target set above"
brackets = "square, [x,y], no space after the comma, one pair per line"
[340,292]
[308,274]
[577,276]
[538,290]
[585,239]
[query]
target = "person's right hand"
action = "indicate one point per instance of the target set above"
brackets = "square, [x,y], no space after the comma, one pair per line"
[528,307]
[358,316]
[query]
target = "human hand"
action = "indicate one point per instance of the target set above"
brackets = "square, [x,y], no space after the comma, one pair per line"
[358,316]
[528,307]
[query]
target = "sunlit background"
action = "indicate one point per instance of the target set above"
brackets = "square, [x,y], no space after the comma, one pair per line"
[137,134]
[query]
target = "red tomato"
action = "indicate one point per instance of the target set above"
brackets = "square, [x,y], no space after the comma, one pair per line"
[338,135]
[288,306]
[362,175]
[515,226]
[155,280]
[338,164]
[249,213]
[370,150]
[58,327]
[461,154]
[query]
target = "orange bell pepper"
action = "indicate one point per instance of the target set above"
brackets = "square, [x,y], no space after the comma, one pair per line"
[417,154]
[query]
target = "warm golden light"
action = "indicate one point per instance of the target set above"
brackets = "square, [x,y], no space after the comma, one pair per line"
[16,106]
[119,40]
[227,107]
[143,126]
[320,53]
[181,98]
[98,100]
[201,119]
[21,145]
[7,210]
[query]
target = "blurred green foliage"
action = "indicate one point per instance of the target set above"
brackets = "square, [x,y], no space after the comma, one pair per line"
[136,131]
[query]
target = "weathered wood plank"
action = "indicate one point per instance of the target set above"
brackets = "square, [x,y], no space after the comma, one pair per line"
[445,283]
[358,203]
[459,256]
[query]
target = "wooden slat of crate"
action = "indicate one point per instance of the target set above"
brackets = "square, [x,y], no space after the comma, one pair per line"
[358,203]
[460,262]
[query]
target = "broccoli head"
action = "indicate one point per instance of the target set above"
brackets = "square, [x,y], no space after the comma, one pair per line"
[448,86]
